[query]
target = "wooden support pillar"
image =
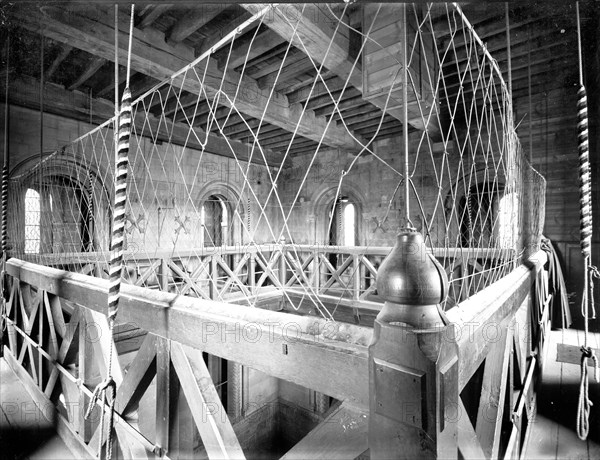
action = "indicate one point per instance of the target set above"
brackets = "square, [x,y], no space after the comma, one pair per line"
[181,424]
[252,272]
[413,386]
[282,267]
[11,313]
[85,427]
[40,357]
[321,402]
[356,276]
[317,271]
[163,377]
[214,292]
[413,359]
[235,383]
[164,275]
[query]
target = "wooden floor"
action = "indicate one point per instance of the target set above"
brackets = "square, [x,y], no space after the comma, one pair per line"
[25,433]
[554,433]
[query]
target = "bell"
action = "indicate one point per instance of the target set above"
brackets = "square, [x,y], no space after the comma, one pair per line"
[412,283]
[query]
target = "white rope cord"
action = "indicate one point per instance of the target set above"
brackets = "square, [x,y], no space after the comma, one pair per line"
[106,391]
[4,217]
[590,271]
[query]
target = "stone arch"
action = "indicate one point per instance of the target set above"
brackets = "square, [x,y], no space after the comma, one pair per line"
[322,200]
[237,205]
[60,170]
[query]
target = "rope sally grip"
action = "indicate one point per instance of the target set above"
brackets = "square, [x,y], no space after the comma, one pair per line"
[105,392]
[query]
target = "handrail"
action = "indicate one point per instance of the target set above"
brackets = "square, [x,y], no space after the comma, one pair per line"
[142,255]
[474,317]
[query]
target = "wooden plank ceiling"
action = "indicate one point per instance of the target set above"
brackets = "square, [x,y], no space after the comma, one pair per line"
[78,54]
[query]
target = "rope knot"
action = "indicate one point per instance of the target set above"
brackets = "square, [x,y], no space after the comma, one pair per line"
[594,271]
[587,352]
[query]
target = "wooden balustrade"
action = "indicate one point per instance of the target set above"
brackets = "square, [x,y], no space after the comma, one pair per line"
[58,344]
[218,273]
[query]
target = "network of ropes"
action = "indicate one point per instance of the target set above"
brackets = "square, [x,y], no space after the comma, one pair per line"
[443,148]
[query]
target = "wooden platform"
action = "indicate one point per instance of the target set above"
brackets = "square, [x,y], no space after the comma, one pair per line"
[554,433]
[25,432]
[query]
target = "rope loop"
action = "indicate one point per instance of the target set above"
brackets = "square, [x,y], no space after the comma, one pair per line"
[101,387]
[105,392]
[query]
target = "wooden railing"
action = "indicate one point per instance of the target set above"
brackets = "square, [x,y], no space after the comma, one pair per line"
[58,344]
[501,330]
[219,273]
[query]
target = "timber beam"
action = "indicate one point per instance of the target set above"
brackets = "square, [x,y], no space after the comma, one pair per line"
[154,57]
[76,104]
[151,13]
[326,46]
[193,21]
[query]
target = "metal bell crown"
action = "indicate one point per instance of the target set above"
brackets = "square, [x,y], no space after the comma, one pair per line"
[409,275]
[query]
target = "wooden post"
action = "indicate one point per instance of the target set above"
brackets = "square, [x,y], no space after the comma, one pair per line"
[252,272]
[282,266]
[40,357]
[413,359]
[213,290]
[234,390]
[182,430]
[317,269]
[355,276]
[85,371]
[164,275]
[413,383]
[163,374]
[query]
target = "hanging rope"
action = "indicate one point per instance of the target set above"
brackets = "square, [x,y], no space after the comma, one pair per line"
[585,226]
[408,222]
[105,391]
[4,200]
[91,211]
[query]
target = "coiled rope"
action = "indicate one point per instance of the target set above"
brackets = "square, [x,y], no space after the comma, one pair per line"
[105,392]
[585,236]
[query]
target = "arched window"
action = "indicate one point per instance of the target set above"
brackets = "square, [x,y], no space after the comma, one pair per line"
[343,229]
[32,222]
[214,217]
[488,217]
[349,226]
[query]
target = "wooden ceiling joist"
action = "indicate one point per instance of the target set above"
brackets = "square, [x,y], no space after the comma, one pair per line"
[314,37]
[160,60]
[76,105]
[193,21]
[319,89]
[64,52]
[88,73]
[289,71]
[329,99]
[111,86]
[151,14]
[254,46]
